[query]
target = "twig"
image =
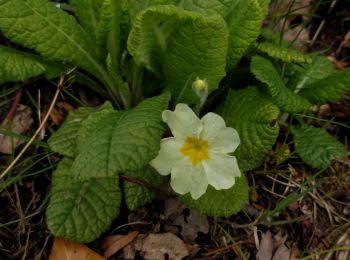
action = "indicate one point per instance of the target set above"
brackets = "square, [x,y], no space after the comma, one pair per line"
[320,27]
[14,105]
[59,85]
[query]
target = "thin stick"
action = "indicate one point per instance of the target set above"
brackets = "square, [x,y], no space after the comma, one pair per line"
[60,83]
[14,106]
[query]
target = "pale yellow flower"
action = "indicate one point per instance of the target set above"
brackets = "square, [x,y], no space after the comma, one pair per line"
[197,154]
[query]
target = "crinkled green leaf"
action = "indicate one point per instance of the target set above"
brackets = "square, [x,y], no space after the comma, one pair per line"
[136,6]
[316,147]
[254,117]
[64,140]
[121,141]
[141,186]
[328,89]
[181,45]
[287,101]
[19,66]
[81,210]
[55,34]
[283,53]
[244,23]
[210,7]
[304,75]
[108,31]
[88,13]
[220,203]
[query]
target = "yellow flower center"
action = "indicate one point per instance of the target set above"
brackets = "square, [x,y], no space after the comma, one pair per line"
[196,149]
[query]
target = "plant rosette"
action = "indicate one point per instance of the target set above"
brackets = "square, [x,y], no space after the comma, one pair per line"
[198,152]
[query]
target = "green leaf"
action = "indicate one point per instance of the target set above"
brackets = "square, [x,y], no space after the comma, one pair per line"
[254,117]
[244,23]
[64,140]
[287,101]
[210,7]
[19,66]
[136,6]
[181,45]
[56,35]
[81,210]
[283,53]
[140,190]
[306,74]
[88,13]
[328,89]
[121,141]
[316,147]
[108,33]
[220,203]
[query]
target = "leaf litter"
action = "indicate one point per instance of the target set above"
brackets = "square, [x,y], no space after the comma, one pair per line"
[308,221]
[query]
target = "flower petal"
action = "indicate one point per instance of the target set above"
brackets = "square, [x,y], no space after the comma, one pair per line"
[183,122]
[221,170]
[220,138]
[188,178]
[212,124]
[168,156]
[226,141]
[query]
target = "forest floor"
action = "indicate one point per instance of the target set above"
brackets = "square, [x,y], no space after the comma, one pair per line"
[314,225]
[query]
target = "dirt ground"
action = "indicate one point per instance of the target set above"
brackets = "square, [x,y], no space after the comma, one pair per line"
[317,222]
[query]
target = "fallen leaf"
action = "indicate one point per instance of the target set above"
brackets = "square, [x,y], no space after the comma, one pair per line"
[129,252]
[59,112]
[64,250]
[173,209]
[191,225]
[282,252]
[112,244]
[266,247]
[21,122]
[164,246]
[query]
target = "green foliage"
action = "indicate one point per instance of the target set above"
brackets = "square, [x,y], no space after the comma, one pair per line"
[304,75]
[80,210]
[283,53]
[141,189]
[18,66]
[64,140]
[168,40]
[287,101]
[316,147]
[254,117]
[220,203]
[328,89]
[133,50]
[121,141]
[101,143]
[244,23]
[88,13]
[39,25]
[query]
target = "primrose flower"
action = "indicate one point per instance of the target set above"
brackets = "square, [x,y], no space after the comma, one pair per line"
[197,154]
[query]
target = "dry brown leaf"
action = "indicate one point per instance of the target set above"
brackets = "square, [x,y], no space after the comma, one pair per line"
[59,112]
[266,247]
[191,225]
[282,252]
[64,250]
[164,246]
[21,122]
[112,244]
[129,252]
